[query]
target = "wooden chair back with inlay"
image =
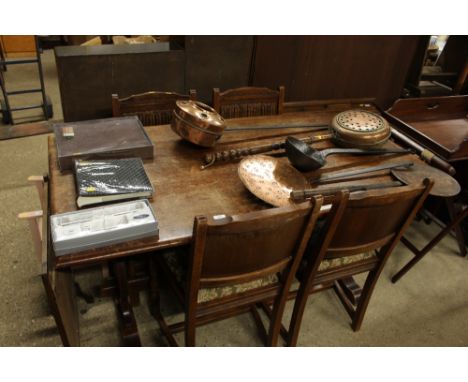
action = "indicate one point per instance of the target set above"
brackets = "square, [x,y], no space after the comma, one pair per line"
[248,102]
[152,108]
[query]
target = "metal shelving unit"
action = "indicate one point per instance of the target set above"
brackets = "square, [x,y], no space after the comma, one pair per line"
[6,109]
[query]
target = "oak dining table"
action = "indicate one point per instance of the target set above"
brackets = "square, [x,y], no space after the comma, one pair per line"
[183,190]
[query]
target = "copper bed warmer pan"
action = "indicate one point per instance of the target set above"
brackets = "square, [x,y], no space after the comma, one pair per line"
[200,124]
[197,123]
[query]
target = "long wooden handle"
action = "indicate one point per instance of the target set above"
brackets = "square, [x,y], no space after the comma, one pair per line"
[298,195]
[228,155]
[424,153]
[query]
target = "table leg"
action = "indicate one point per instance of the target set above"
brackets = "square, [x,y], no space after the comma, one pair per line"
[419,254]
[127,322]
[61,296]
[453,211]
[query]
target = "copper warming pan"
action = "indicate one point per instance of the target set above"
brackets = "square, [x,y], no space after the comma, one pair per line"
[197,123]
[359,129]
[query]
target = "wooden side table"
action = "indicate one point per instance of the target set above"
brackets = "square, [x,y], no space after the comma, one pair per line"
[439,124]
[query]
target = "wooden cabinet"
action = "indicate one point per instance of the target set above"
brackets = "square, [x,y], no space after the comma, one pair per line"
[18,46]
[334,67]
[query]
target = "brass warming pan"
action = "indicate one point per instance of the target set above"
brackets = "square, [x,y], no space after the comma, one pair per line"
[360,129]
[197,123]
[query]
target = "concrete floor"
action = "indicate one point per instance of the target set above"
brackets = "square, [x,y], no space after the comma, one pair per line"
[428,307]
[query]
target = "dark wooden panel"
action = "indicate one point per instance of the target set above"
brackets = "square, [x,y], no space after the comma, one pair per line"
[454,54]
[414,72]
[217,61]
[89,75]
[328,67]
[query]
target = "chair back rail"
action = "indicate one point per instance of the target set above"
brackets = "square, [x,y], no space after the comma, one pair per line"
[152,108]
[371,221]
[248,102]
[249,246]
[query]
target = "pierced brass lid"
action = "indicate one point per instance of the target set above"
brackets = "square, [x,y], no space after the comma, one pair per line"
[360,128]
[357,120]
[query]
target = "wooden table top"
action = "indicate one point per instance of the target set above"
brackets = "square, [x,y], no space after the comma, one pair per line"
[183,190]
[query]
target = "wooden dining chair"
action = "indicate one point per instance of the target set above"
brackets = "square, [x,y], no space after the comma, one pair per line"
[234,263]
[248,102]
[358,236]
[152,108]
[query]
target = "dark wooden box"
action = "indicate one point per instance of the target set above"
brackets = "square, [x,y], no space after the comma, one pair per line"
[89,75]
[102,138]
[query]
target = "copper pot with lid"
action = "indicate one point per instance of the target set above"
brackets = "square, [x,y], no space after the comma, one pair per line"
[197,123]
[359,128]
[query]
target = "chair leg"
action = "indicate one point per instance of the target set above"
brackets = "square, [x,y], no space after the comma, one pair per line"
[349,306]
[277,315]
[190,331]
[155,303]
[258,321]
[419,254]
[267,310]
[366,294]
[453,212]
[298,312]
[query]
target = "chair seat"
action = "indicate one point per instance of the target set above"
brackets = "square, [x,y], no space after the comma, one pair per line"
[176,261]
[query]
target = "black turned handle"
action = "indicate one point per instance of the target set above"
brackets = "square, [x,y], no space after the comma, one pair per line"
[233,154]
